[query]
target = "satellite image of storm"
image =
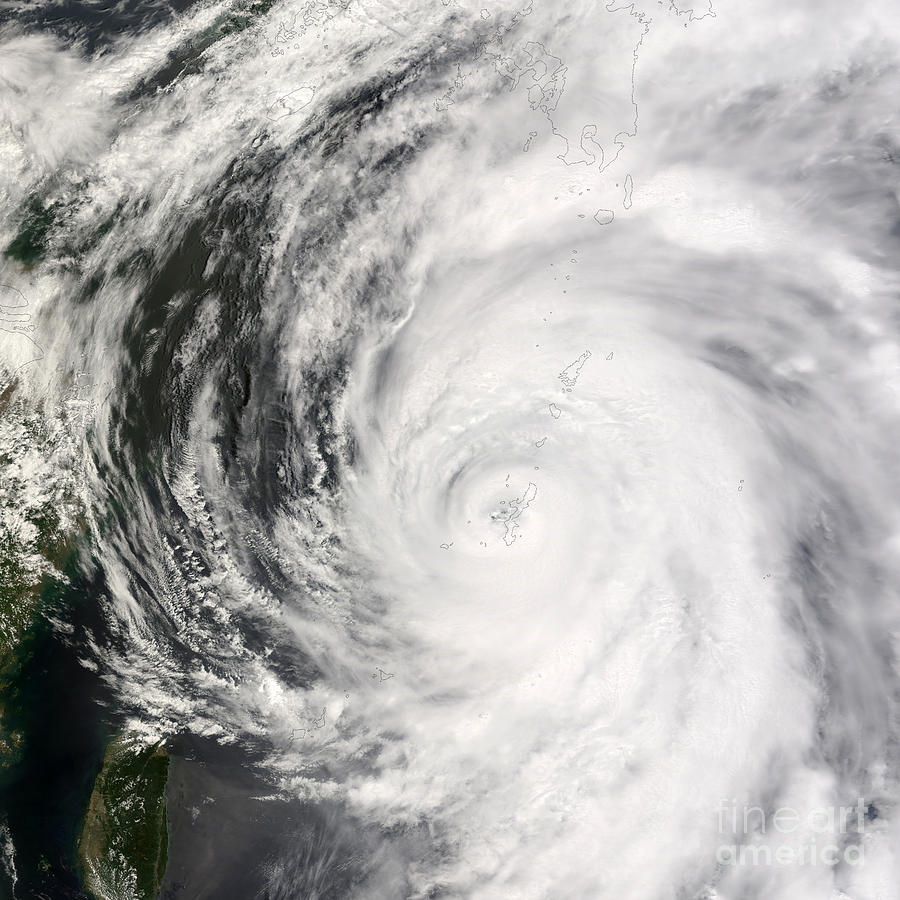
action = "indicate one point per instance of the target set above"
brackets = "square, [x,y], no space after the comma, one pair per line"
[449,450]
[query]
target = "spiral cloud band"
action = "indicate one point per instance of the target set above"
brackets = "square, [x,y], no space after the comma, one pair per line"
[486,434]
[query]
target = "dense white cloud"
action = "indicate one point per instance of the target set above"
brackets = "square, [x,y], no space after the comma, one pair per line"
[552,622]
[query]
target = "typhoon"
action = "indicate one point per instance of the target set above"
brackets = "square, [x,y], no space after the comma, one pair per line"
[450,451]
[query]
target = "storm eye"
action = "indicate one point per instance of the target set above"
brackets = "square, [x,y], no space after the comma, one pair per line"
[500,512]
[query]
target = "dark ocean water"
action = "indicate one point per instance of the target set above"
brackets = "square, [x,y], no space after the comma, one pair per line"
[58,706]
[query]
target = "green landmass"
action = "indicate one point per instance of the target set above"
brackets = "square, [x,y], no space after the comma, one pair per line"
[123,842]
[123,845]
[17,600]
[40,520]
[30,244]
[244,14]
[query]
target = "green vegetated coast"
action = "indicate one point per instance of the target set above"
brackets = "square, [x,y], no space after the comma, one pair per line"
[123,842]
[123,845]
[28,246]
[40,520]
